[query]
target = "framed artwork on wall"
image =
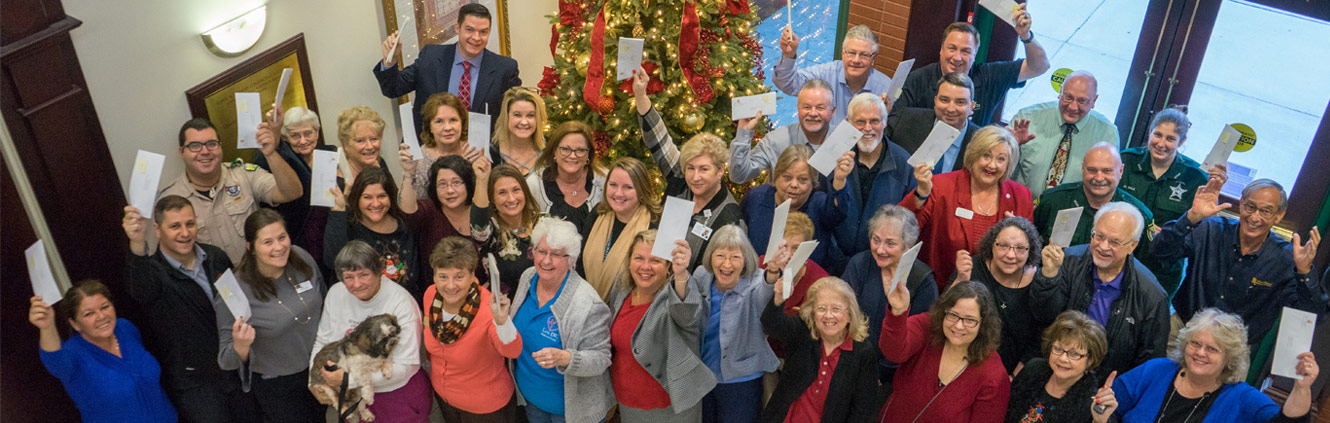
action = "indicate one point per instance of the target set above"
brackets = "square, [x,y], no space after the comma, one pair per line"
[214,99]
[434,22]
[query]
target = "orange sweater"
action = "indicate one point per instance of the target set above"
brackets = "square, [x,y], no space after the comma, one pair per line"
[470,373]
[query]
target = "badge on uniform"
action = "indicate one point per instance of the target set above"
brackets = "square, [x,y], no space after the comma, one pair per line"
[702,231]
[233,190]
[304,286]
[1178,191]
[251,167]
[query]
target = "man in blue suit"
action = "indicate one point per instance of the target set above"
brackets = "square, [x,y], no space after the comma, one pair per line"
[467,69]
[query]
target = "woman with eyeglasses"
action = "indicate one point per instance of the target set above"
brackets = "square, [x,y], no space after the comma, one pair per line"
[1061,385]
[300,137]
[520,135]
[795,180]
[505,229]
[956,208]
[950,370]
[1006,262]
[443,133]
[1166,181]
[829,373]
[445,211]
[567,182]
[565,329]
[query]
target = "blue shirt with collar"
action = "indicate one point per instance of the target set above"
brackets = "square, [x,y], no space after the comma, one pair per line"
[952,154]
[541,387]
[455,77]
[197,273]
[1101,305]
[789,81]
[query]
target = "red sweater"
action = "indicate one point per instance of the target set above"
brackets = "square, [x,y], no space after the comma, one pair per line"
[471,373]
[944,233]
[979,395]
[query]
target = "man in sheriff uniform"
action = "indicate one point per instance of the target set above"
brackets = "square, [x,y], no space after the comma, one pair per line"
[223,196]
[1168,197]
[1101,170]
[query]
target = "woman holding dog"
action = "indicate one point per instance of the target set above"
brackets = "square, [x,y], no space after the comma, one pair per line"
[271,348]
[402,396]
[468,335]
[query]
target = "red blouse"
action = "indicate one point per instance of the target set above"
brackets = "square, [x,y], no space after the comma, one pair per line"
[808,408]
[978,395]
[947,226]
[633,386]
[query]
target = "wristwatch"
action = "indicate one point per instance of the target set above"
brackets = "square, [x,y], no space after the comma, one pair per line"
[1025,41]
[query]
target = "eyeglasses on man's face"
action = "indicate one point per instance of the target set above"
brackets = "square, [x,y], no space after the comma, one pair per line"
[196,146]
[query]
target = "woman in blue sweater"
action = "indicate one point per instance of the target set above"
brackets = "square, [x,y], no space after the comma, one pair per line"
[105,369]
[796,181]
[1201,381]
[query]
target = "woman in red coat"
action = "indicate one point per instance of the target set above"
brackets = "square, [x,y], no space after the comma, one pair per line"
[956,208]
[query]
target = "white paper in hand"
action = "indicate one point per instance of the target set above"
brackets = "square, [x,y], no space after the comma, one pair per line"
[229,289]
[748,106]
[409,131]
[674,220]
[478,132]
[281,86]
[1003,9]
[143,182]
[904,266]
[841,140]
[344,163]
[324,178]
[777,230]
[630,57]
[1064,227]
[493,267]
[1223,148]
[936,144]
[39,272]
[249,114]
[1295,337]
[898,79]
[795,264]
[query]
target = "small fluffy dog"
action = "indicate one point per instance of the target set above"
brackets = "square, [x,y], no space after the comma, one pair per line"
[361,353]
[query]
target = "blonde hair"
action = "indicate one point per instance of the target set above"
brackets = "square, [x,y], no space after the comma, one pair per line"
[705,144]
[798,223]
[986,139]
[625,279]
[346,122]
[516,94]
[1228,331]
[858,322]
[646,191]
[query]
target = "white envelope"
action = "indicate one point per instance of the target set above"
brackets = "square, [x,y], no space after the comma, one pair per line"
[1064,227]
[795,264]
[898,79]
[674,220]
[935,145]
[344,163]
[777,230]
[229,289]
[1295,337]
[409,131]
[281,86]
[144,181]
[478,132]
[840,140]
[249,114]
[630,57]
[748,106]
[324,177]
[1223,148]
[903,268]
[1003,9]
[39,273]
[495,284]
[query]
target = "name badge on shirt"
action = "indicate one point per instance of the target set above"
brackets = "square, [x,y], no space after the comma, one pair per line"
[304,286]
[702,231]
[964,213]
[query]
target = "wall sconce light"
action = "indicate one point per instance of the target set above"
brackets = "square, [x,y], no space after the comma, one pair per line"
[236,36]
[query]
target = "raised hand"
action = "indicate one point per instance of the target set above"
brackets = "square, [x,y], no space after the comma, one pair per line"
[751,123]
[1304,253]
[1206,203]
[1052,260]
[500,306]
[789,43]
[1218,171]
[898,299]
[640,80]
[679,258]
[1105,403]
[242,336]
[40,313]
[844,164]
[923,173]
[339,197]
[1022,19]
[1021,129]
[135,228]
[964,265]
[390,48]
[267,138]
[1307,369]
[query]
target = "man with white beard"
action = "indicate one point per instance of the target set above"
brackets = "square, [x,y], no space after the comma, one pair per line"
[815,112]
[1103,280]
[881,174]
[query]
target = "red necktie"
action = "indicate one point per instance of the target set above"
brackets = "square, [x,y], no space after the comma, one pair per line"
[464,86]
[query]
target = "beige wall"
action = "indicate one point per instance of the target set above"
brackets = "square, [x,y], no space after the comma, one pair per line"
[140,56]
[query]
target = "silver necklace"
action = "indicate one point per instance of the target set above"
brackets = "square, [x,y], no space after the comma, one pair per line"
[308,316]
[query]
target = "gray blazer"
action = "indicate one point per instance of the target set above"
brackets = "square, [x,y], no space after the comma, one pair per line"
[667,341]
[584,329]
[743,344]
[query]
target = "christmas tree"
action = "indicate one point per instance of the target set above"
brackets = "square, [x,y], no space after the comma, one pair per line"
[699,53]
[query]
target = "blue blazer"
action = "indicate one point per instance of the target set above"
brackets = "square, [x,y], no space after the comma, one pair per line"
[1141,392]
[894,180]
[430,74]
[759,208]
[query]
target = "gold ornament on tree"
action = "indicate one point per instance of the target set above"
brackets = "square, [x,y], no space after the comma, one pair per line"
[583,61]
[692,122]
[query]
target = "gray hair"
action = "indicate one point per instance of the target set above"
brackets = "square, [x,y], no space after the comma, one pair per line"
[904,219]
[1105,145]
[1137,221]
[358,255]
[1264,183]
[816,83]
[860,32]
[1089,77]
[559,234]
[298,116]
[731,236]
[1229,333]
[863,100]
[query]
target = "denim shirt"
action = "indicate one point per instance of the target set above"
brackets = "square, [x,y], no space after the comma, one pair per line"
[743,344]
